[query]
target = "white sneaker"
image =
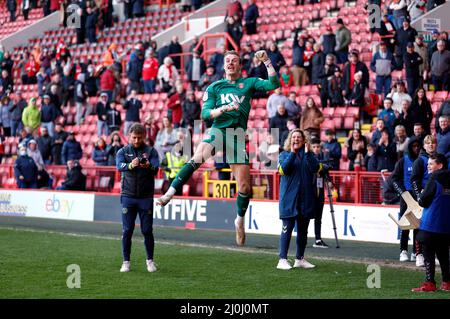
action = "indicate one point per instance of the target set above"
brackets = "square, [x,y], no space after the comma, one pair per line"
[302,263]
[125,266]
[420,261]
[283,264]
[413,257]
[240,231]
[151,265]
[404,256]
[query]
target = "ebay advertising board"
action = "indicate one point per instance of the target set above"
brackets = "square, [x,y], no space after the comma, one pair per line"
[59,205]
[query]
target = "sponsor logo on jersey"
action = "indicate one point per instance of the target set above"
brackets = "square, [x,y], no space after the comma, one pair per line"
[230,97]
[241,85]
[205,96]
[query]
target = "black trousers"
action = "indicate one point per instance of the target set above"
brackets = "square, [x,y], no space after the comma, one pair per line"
[435,244]
[318,221]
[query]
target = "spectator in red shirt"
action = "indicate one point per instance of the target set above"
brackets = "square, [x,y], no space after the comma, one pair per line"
[108,82]
[175,103]
[149,72]
[151,129]
[286,79]
[234,8]
[31,69]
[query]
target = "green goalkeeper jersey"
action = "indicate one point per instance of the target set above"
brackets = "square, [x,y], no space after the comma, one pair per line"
[224,92]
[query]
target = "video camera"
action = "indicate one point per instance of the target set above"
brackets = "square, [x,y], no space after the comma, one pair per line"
[326,166]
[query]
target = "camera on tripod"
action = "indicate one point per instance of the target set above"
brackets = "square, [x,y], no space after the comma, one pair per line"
[326,166]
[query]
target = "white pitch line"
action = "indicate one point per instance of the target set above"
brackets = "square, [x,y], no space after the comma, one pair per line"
[364,261]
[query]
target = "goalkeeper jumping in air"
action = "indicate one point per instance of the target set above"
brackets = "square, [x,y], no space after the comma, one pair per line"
[227,102]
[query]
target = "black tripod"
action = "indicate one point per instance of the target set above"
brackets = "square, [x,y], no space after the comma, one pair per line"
[327,182]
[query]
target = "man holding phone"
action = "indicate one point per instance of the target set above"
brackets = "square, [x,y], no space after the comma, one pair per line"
[138,164]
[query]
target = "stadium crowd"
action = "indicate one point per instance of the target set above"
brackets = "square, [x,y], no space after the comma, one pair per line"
[340,75]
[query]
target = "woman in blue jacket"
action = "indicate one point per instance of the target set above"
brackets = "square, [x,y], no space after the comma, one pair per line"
[297,166]
[100,154]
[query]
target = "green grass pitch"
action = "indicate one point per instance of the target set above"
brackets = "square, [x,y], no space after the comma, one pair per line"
[34,264]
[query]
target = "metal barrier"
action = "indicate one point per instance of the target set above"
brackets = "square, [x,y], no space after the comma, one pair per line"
[358,187]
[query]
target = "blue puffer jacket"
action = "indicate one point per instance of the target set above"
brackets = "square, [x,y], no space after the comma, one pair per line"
[71,151]
[297,183]
[100,156]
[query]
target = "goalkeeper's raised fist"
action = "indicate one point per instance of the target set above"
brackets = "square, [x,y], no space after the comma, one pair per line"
[261,55]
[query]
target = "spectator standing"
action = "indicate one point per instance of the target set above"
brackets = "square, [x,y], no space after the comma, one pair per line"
[343,40]
[388,115]
[134,70]
[401,140]
[234,7]
[31,116]
[325,73]
[132,106]
[420,110]
[335,88]
[113,148]
[298,48]
[279,122]
[443,137]
[166,138]
[71,149]
[356,150]
[312,117]
[138,8]
[195,67]
[251,16]
[175,104]
[108,83]
[422,49]
[175,48]
[412,61]
[398,95]
[328,41]
[440,67]
[25,170]
[151,129]
[317,63]
[91,24]
[5,115]
[31,68]
[404,35]
[400,12]
[102,108]
[49,114]
[234,29]
[191,111]
[383,63]
[100,153]
[331,149]
[167,75]
[275,56]
[58,140]
[113,118]
[12,6]
[274,100]
[44,143]
[357,94]
[16,110]
[386,152]
[150,72]
[80,99]
[350,69]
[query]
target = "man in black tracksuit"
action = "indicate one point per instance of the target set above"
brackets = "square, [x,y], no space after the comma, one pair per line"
[401,181]
[138,164]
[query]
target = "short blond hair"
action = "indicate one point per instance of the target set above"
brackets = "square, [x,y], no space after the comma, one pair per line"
[429,139]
